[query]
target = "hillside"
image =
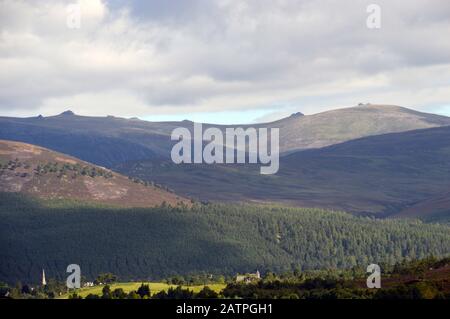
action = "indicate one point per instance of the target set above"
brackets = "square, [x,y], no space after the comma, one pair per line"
[110,141]
[340,125]
[436,208]
[103,141]
[42,173]
[382,174]
[154,243]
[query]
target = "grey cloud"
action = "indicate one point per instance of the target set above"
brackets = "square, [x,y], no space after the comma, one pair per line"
[219,55]
[168,11]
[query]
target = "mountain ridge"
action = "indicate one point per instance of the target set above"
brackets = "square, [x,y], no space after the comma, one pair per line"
[139,139]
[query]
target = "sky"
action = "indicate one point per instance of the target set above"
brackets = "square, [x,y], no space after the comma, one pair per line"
[221,61]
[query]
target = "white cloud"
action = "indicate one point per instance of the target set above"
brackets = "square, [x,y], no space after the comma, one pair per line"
[163,57]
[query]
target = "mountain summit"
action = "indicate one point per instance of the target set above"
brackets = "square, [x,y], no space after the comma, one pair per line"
[67,113]
[344,124]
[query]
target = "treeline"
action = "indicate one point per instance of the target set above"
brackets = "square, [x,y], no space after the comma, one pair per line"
[178,280]
[335,289]
[150,244]
[13,164]
[74,170]
[150,183]
[61,169]
[144,292]
[417,279]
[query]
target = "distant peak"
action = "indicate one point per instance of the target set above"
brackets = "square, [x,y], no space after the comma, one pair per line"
[382,107]
[67,113]
[297,114]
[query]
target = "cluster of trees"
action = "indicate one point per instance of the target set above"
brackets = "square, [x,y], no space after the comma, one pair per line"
[53,289]
[74,169]
[143,292]
[334,289]
[57,168]
[13,165]
[150,183]
[415,290]
[407,282]
[197,279]
[105,278]
[162,242]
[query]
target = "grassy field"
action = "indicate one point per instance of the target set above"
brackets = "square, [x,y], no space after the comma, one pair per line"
[155,287]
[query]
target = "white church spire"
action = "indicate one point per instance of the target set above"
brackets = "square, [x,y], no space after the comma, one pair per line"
[44,282]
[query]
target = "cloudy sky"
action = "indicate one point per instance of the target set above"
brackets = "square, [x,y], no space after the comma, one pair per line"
[221,61]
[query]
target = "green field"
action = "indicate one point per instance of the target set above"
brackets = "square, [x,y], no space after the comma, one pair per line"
[155,287]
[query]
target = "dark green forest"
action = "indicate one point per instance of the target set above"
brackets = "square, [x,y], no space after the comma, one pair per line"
[154,243]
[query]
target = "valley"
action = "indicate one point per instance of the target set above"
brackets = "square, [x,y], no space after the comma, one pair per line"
[105,195]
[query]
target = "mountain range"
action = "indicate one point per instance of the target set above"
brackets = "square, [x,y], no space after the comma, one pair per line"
[103,192]
[110,140]
[380,160]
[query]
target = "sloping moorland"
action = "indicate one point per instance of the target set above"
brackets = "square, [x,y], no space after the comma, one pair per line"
[390,174]
[41,173]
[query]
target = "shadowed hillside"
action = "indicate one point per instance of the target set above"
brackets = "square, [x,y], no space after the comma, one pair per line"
[153,243]
[379,174]
[436,208]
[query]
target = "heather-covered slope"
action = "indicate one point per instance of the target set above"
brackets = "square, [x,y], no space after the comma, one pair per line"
[379,174]
[42,173]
